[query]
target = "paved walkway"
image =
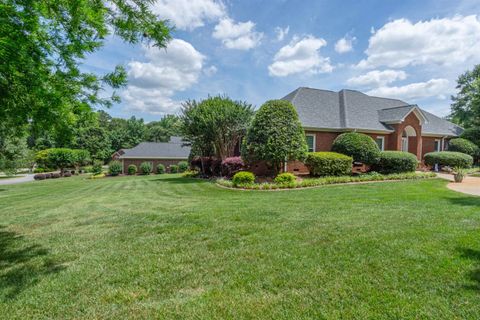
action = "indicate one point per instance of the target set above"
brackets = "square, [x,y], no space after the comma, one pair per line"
[25,178]
[470,185]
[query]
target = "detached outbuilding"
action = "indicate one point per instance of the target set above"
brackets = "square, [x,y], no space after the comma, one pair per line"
[166,153]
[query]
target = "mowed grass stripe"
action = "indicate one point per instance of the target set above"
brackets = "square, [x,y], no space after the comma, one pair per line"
[162,246]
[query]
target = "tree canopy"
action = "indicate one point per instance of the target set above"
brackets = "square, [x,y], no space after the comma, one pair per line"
[45,42]
[214,126]
[275,135]
[466,104]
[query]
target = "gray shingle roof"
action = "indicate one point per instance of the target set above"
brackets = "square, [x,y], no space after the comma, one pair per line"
[158,150]
[350,109]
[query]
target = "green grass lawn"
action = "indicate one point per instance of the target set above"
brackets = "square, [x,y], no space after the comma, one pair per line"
[167,247]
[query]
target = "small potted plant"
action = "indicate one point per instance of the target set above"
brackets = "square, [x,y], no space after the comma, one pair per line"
[458,174]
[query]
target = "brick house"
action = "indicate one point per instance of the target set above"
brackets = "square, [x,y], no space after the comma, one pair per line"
[166,153]
[392,123]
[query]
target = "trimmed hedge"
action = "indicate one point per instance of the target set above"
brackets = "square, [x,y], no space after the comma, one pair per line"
[464,146]
[359,146]
[284,178]
[115,168]
[328,164]
[242,178]
[160,168]
[449,158]
[182,166]
[132,169]
[396,162]
[173,168]
[146,168]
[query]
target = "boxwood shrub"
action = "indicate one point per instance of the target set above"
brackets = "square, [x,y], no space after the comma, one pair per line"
[395,162]
[284,178]
[132,169]
[464,146]
[173,168]
[115,168]
[146,167]
[449,158]
[182,166]
[328,164]
[359,146]
[243,177]
[160,168]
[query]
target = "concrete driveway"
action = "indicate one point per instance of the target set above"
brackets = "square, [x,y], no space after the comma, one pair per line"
[470,185]
[22,179]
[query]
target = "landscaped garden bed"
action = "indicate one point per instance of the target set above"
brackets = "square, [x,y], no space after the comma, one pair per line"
[316,182]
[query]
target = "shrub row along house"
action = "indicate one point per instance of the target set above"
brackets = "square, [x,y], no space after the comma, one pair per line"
[166,153]
[392,123]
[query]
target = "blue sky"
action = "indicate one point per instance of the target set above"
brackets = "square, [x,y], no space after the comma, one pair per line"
[261,50]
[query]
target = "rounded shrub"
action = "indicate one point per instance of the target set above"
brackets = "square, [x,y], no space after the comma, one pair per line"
[243,177]
[160,168]
[39,176]
[97,167]
[182,166]
[359,146]
[114,168]
[67,174]
[464,146]
[396,162]
[328,164]
[132,169]
[146,167]
[48,175]
[284,178]
[449,158]
[55,175]
[232,165]
[173,168]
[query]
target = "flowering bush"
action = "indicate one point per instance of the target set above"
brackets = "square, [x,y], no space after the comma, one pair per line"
[232,165]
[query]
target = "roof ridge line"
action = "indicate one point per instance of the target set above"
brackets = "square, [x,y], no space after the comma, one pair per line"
[342,108]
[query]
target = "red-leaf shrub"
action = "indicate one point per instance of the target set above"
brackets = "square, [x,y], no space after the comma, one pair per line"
[232,165]
[39,176]
[67,174]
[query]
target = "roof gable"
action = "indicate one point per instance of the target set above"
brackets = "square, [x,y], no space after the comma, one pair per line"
[354,110]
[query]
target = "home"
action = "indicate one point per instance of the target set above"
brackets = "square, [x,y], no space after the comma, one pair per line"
[166,153]
[392,123]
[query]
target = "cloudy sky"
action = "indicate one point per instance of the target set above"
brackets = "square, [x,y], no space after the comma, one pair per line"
[261,50]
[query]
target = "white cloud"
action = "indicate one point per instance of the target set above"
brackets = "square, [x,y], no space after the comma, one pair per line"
[239,35]
[189,14]
[152,84]
[446,41]
[281,32]
[439,88]
[345,44]
[300,55]
[377,78]
[210,71]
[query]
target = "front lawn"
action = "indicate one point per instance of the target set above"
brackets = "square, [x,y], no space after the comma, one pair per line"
[168,247]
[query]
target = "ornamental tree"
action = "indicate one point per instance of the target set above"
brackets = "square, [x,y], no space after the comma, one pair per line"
[275,135]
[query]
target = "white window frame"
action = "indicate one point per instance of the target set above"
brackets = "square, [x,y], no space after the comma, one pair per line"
[314,140]
[439,148]
[383,142]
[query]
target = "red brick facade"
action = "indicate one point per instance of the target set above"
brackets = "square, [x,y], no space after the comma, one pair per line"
[418,144]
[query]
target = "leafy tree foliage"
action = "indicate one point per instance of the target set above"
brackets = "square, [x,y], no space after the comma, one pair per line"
[14,154]
[466,104]
[472,134]
[161,131]
[275,135]
[44,43]
[214,126]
